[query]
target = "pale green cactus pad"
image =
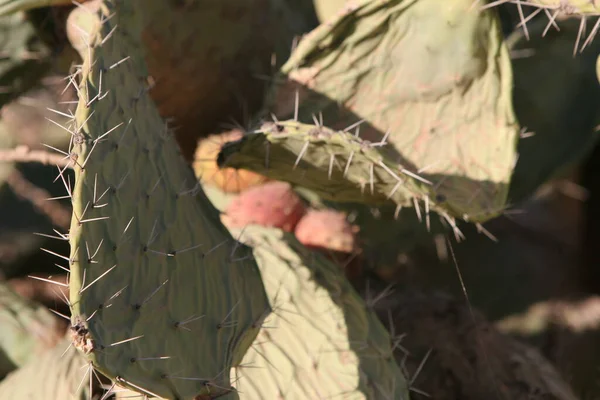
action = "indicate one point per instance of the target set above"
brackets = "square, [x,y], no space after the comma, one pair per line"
[437,77]
[59,373]
[563,6]
[164,301]
[322,341]
[340,167]
[26,330]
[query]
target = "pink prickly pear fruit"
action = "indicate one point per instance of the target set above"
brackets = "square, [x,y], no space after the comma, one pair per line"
[273,204]
[327,230]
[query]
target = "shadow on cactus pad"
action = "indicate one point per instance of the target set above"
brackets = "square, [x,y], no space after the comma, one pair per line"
[341,167]
[557,101]
[443,101]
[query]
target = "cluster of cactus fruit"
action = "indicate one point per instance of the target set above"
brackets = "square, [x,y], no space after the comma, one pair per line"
[221,276]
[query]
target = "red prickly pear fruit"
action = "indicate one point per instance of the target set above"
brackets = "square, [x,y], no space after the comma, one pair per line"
[229,180]
[273,204]
[327,230]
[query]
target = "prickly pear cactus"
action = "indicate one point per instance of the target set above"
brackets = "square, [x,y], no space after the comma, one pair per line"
[59,373]
[26,330]
[545,105]
[322,341]
[200,82]
[566,7]
[164,301]
[442,92]
[339,167]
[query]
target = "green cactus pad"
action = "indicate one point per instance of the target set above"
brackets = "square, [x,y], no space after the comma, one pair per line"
[208,59]
[164,301]
[59,373]
[438,79]
[322,341]
[344,168]
[566,7]
[26,329]
[557,138]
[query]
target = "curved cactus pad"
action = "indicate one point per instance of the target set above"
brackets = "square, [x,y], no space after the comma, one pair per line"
[164,301]
[341,167]
[322,341]
[59,373]
[437,78]
[26,329]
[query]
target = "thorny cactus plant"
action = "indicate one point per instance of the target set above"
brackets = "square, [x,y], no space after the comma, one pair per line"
[166,303]
[163,300]
[199,83]
[338,166]
[544,105]
[566,7]
[323,341]
[442,101]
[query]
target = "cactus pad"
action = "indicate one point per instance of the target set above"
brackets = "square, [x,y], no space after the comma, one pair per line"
[437,79]
[26,329]
[556,138]
[566,7]
[59,373]
[321,341]
[164,301]
[342,167]
[204,58]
